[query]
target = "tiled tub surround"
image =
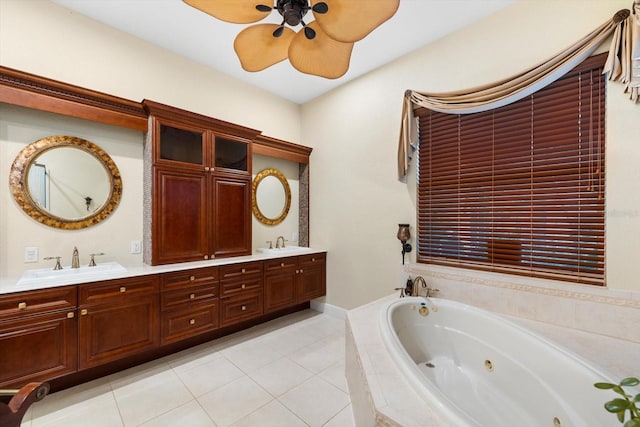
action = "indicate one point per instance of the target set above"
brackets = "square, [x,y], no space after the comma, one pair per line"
[380,396]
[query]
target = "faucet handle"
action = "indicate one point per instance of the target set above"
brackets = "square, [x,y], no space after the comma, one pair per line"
[57,258]
[431,291]
[270,242]
[92,263]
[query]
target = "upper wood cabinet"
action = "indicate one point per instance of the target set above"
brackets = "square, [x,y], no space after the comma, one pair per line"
[199,203]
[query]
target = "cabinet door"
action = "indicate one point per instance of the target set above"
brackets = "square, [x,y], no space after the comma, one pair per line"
[311,277]
[38,348]
[179,216]
[232,216]
[115,330]
[280,283]
[181,145]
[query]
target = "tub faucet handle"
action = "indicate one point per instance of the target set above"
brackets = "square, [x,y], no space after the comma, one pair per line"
[57,258]
[431,291]
[401,291]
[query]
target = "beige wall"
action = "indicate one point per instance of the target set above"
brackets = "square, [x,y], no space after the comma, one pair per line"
[356,201]
[43,38]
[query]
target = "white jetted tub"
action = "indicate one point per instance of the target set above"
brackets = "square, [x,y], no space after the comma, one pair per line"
[475,368]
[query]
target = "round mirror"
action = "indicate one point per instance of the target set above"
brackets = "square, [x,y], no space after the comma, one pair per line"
[271,197]
[65,182]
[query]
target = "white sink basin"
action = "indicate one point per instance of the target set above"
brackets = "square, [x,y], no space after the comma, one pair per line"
[285,250]
[70,275]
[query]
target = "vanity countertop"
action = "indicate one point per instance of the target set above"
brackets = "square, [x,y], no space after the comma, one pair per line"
[10,284]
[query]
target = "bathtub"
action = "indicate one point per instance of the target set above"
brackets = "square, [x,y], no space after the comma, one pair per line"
[475,368]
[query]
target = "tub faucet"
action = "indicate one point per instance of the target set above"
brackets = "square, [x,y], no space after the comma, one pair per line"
[419,282]
[278,242]
[75,258]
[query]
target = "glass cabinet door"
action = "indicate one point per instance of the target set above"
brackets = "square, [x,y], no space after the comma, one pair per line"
[181,145]
[231,154]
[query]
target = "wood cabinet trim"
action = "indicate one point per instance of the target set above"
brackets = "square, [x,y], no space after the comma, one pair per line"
[41,93]
[273,147]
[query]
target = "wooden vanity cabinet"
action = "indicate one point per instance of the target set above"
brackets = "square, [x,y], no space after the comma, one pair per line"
[189,303]
[293,280]
[38,335]
[117,318]
[241,292]
[200,205]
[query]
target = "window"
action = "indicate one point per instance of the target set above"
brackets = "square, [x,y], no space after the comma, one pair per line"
[518,189]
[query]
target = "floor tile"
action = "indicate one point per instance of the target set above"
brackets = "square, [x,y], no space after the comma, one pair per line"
[315,401]
[204,378]
[252,355]
[234,401]
[273,414]
[150,396]
[321,354]
[344,418]
[280,376]
[188,415]
[101,410]
[335,374]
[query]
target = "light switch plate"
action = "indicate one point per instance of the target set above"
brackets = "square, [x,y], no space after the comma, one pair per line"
[31,254]
[136,246]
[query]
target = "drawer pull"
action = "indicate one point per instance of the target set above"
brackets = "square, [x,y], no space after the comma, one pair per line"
[244,308]
[123,289]
[313,260]
[192,296]
[192,321]
[301,271]
[206,257]
[83,312]
[243,286]
[282,264]
[192,278]
[244,270]
[70,315]
[22,305]
[297,271]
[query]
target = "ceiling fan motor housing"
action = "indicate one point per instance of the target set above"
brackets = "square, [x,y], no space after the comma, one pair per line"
[292,10]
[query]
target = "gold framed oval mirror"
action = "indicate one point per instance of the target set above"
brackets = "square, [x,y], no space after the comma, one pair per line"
[271,198]
[65,182]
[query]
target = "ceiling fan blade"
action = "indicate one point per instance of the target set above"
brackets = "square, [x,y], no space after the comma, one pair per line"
[258,49]
[350,21]
[321,56]
[234,11]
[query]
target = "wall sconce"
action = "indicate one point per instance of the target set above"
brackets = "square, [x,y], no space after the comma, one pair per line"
[403,236]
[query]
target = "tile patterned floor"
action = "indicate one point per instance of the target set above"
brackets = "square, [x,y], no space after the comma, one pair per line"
[286,373]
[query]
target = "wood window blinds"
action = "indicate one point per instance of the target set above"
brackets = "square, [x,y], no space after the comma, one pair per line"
[518,189]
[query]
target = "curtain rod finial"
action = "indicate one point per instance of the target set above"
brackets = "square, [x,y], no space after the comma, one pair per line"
[407,93]
[621,15]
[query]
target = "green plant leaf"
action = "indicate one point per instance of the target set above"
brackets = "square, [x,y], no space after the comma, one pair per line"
[621,416]
[604,386]
[635,422]
[637,398]
[630,382]
[617,405]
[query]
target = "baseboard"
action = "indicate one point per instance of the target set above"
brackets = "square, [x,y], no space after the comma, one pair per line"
[331,310]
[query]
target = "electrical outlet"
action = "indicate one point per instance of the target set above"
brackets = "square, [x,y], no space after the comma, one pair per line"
[136,246]
[31,254]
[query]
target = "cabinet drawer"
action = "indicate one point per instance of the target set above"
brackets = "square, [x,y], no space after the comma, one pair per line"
[311,260]
[240,286]
[195,277]
[187,322]
[33,302]
[188,296]
[280,264]
[235,271]
[117,290]
[239,308]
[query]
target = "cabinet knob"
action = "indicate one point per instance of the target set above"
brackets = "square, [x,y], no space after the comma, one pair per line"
[70,315]
[313,260]
[192,278]
[206,257]
[243,286]
[301,271]
[22,305]
[123,289]
[297,271]
[207,168]
[192,321]
[83,312]
[244,307]
[244,270]
[192,296]
[282,264]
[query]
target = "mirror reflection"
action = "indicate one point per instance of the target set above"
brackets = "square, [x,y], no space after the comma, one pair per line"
[65,182]
[271,196]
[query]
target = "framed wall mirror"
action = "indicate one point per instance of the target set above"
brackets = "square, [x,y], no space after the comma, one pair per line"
[271,199]
[65,182]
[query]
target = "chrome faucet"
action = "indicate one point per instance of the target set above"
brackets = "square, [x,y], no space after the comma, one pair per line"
[278,242]
[75,258]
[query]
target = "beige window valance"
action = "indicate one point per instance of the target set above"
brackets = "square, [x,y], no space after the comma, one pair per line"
[623,65]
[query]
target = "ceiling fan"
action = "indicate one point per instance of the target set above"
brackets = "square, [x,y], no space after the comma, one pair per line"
[323,46]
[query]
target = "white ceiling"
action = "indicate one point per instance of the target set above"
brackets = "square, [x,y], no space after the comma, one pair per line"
[178,27]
